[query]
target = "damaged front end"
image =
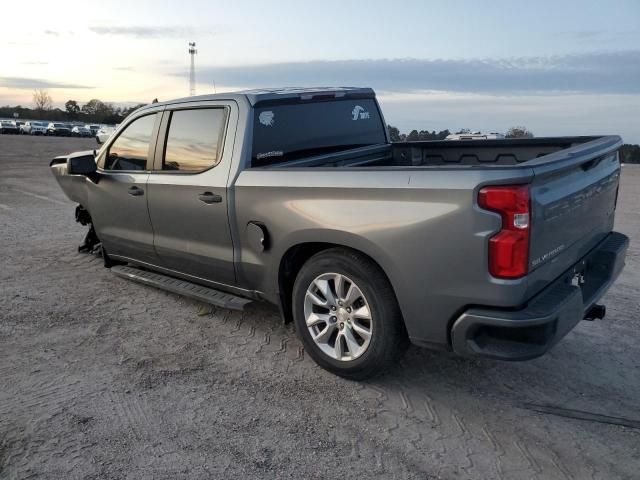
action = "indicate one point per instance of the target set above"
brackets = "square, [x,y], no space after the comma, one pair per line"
[91,243]
[72,172]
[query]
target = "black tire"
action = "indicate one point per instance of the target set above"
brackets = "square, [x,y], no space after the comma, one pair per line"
[389,338]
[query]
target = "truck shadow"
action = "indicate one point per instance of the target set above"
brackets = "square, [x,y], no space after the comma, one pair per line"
[575,373]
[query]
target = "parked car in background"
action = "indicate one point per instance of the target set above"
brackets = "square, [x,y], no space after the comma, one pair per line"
[8,126]
[59,129]
[299,198]
[104,133]
[34,128]
[81,131]
[475,136]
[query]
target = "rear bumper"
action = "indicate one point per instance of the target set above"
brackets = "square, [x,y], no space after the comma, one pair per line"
[531,331]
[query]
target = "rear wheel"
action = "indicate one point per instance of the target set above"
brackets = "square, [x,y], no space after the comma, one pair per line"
[347,315]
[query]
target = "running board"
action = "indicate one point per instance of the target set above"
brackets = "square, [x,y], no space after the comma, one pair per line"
[181,287]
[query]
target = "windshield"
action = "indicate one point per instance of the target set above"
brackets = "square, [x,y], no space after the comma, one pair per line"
[289,132]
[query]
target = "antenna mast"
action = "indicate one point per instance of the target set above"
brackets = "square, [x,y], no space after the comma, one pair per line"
[192,72]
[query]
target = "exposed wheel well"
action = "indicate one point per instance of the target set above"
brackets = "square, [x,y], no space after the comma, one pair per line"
[291,263]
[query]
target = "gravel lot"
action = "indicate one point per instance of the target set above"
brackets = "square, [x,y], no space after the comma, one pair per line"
[103,378]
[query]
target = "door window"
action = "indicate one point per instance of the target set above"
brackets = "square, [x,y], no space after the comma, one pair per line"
[131,149]
[194,140]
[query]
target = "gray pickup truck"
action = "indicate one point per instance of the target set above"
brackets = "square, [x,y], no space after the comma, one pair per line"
[494,248]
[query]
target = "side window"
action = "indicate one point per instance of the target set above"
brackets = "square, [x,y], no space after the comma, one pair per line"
[131,149]
[194,140]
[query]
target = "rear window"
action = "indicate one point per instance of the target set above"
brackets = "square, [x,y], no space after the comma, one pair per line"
[289,132]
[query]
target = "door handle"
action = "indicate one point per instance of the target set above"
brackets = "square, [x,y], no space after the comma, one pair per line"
[135,191]
[209,197]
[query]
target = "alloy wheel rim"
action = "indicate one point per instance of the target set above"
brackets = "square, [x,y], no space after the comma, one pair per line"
[338,316]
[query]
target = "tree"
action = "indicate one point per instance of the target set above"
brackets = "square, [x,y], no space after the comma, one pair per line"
[42,101]
[413,136]
[518,132]
[463,131]
[93,107]
[101,112]
[442,134]
[73,109]
[630,153]
[125,112]
[394,133]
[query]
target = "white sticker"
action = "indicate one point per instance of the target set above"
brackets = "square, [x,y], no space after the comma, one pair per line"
[267,118]
[273,153]
[359,113]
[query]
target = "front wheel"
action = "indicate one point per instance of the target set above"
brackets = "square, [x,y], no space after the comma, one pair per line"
[346,314]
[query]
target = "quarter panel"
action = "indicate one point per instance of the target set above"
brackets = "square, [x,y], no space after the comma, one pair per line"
[422,227]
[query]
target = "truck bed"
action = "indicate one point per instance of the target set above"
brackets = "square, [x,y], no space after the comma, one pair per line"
[405,201]
[447,153]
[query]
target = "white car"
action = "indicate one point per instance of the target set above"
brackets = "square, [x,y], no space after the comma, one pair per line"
[81,131]
[475,136]
[34,128]
[104,133]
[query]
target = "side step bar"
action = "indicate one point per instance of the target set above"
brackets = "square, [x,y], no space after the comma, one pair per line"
[181,287]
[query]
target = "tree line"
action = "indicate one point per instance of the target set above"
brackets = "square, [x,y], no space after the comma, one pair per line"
[629,153]
[94,111]
[416,136]
[97,111]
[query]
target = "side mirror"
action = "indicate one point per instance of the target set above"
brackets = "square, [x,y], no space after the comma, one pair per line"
[81,165]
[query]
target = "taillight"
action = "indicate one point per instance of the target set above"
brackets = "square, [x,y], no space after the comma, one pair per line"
[509,248]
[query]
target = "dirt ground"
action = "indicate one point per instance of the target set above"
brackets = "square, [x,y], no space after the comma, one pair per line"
[103,378]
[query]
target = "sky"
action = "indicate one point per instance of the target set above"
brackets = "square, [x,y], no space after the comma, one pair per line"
[556,67]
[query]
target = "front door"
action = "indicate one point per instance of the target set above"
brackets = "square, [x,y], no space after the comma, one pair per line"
[118,199]
[187,193]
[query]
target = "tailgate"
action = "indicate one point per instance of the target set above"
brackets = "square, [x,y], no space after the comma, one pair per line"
[573,199]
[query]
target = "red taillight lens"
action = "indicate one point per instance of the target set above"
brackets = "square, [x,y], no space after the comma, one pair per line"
[509,249]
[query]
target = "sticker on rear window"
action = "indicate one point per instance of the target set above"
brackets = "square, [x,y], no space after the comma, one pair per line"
[267,118]
[273,153]
[359,113]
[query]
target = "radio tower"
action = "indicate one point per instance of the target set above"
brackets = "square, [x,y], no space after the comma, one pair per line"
[192,72]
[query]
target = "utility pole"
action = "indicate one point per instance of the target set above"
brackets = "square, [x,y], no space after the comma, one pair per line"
[192,72]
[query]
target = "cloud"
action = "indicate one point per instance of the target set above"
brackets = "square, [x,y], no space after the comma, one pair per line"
[591,36]
[139,31]
[616,72]
[32,83]
[59,33]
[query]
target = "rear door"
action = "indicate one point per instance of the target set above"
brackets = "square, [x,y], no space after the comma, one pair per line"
[118,200]
[188,200]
